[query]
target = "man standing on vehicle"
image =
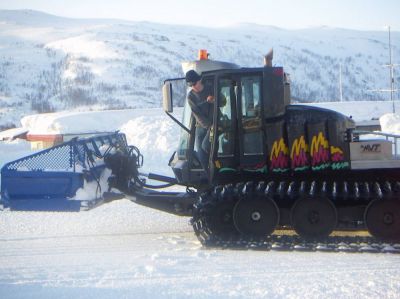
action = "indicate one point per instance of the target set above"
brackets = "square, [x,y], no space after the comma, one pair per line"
[201,101]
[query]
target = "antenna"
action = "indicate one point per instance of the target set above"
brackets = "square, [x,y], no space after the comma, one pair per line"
[391,67]
[340,83]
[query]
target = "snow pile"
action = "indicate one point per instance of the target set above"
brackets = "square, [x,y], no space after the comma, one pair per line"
[68,122]
[131,121]
[155,134]
[390,123]
[75,122]
[156,139]
[92,189]
[12,150]
[12,133]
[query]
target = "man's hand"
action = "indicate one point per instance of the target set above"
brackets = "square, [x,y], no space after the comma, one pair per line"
[210,99]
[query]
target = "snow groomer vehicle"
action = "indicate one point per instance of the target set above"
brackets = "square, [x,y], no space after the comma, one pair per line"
[279,175]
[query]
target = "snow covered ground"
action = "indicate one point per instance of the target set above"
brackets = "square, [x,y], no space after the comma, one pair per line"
[122,250]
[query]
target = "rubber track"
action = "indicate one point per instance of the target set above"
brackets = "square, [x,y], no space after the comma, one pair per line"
[295,243]
[212,236]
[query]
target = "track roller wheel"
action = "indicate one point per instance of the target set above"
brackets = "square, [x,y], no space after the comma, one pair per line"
[382,218]
[313,218]
[256,217]
[220,218]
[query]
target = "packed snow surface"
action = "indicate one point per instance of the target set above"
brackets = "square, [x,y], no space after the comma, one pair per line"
[123,250]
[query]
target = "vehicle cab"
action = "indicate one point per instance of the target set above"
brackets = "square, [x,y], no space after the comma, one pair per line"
[244,97]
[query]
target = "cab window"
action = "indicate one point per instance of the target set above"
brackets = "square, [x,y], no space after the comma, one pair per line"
[251,115]
[226,90]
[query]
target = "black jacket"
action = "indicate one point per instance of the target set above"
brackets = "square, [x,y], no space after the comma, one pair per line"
[201,109]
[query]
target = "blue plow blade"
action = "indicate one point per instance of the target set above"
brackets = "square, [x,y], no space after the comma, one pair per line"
[49,180]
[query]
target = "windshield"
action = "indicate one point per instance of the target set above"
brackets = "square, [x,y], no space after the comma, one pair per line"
[184,136]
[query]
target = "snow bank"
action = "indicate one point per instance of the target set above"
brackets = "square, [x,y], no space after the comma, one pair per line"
[155,134]
[12,133]
[12,150]
[92,189]
[156,139]
[68,122]
[390,123]
[74,122]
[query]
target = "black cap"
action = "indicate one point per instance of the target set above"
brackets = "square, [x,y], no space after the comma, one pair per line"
[192,77]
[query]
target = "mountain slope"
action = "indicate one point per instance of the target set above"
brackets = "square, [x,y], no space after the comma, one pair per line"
[48,63]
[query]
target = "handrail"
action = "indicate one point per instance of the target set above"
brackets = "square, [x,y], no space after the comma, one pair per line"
[394,142]
[380,133]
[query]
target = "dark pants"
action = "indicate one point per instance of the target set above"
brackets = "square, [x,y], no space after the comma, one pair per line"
[202,144]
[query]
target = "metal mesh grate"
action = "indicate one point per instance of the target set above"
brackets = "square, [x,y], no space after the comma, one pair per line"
[71,156]
[54,159]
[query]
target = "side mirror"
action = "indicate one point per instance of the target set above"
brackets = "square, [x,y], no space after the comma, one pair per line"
[167,97]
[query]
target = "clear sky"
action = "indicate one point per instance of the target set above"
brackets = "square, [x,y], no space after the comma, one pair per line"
[354,14]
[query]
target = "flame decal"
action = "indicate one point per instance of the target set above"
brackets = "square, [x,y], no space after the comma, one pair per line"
[337,154]
[279,155]
[337,157]
[319,150]
[321,154]
[298,154]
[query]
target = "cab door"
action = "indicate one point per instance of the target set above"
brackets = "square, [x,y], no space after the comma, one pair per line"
[225,150]
[250,123]
[238,141]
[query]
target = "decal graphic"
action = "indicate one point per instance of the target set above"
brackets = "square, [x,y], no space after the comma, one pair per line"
[227,169]
[258,167]
[336,154]
[371,148]
[279,156]
[319,152]
[298,154]
[337,157]
[221,168]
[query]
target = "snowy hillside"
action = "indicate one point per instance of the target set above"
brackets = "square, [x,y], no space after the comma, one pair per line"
[49,63]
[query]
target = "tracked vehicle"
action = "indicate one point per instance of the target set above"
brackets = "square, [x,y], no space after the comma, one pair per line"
[276,171]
